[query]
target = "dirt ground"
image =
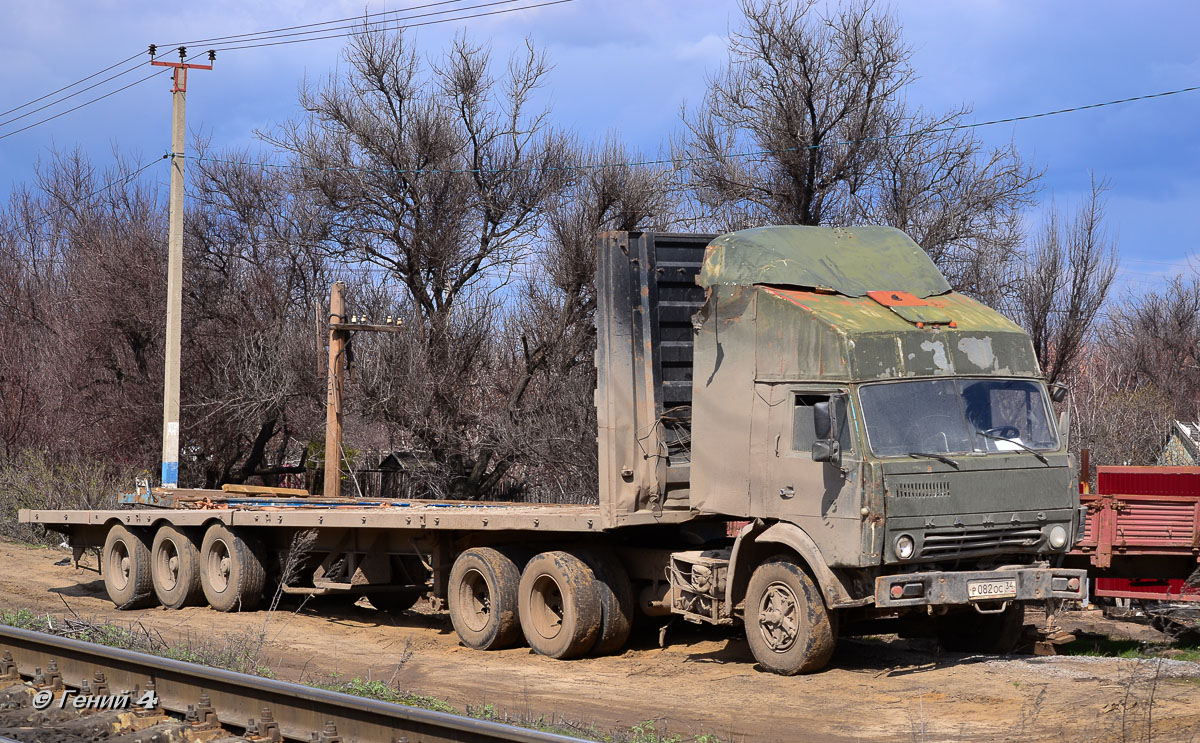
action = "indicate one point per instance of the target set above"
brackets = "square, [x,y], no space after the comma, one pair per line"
[703,682]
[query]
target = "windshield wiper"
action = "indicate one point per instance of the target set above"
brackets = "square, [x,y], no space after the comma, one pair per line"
[1034,452]
[938,457]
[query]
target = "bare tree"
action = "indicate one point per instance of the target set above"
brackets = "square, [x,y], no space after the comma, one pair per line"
[807,125]
[253,393]
[1157,337]
[1064,283]
[551,335]
[1121,421]
[438,174]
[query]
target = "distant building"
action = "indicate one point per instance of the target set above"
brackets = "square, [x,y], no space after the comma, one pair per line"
[1183,448]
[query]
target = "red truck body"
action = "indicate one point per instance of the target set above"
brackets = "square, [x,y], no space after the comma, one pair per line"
[1142,535]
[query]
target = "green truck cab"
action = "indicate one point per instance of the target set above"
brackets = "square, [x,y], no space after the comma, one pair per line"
[893,441]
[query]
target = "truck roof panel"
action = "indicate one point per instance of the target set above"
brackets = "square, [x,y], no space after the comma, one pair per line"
[851,261]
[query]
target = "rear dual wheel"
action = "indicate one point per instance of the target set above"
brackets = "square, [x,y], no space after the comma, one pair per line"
[232,575]
[482,598]
[175,568]
[566,605]
[560,605]
[125,563]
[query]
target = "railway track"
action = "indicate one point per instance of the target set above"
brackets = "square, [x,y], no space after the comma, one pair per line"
[185,702]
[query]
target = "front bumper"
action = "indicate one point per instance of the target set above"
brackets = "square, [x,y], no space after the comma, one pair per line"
[935,588]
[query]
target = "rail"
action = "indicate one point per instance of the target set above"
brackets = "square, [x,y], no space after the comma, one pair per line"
[248,703]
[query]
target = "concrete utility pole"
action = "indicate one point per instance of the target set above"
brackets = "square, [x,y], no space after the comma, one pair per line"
[336,377]
[170,453]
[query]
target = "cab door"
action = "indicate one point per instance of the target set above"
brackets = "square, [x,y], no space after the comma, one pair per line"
[820,497]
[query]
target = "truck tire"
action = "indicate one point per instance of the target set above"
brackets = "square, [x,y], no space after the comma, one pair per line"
[175,568]
[126,568]
[787,625]
[971,632]
[560,605]
[231,570]
[616,600]
[482,599]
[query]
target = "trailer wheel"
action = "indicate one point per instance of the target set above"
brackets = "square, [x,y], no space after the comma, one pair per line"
[231,570]
[616,600]
[175,568]
[971,632]
[126,568]
[560,605]
[787,625]
[482,599]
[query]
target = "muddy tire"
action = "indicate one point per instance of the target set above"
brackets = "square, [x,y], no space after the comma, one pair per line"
[482,599]
[560,605]
[126,568]
[972,632]
[231,570]
[787,625]
[616,600]
[395,602]
[175,568]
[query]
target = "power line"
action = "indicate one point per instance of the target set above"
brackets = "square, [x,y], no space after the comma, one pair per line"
[404,26]
[81,105]
[68,87]
[275,43]
[676,162]
[309,25]
[81,91]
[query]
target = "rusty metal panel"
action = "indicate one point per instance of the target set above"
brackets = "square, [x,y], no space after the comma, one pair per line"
[806,335]
[1149,480]
[646,296]
[1142,511]
[725,407]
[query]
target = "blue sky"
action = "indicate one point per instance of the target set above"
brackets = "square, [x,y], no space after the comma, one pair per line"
[626,66]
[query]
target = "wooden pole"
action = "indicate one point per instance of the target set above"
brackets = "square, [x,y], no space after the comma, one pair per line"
[335,377]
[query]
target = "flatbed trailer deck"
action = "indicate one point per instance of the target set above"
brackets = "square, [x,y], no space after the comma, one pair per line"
[385,514]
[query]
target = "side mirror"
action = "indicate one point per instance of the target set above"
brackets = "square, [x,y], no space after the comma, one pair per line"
[1058,392]
[823,420]
[827,450]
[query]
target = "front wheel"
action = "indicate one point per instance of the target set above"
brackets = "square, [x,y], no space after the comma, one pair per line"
[787,625]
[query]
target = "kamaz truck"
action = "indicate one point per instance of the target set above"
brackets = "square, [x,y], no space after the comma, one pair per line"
[800,429]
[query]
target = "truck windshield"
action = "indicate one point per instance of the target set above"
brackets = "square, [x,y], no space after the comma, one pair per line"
[956,416]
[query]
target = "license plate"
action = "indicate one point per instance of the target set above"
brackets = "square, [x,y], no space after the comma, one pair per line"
[1003,588]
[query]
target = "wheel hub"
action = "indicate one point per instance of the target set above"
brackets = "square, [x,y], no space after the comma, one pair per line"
[778,617]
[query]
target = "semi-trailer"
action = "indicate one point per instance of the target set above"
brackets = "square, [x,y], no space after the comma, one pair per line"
[799,428]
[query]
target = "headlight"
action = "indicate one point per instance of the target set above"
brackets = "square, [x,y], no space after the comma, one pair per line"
[905,546]
[1058,538]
